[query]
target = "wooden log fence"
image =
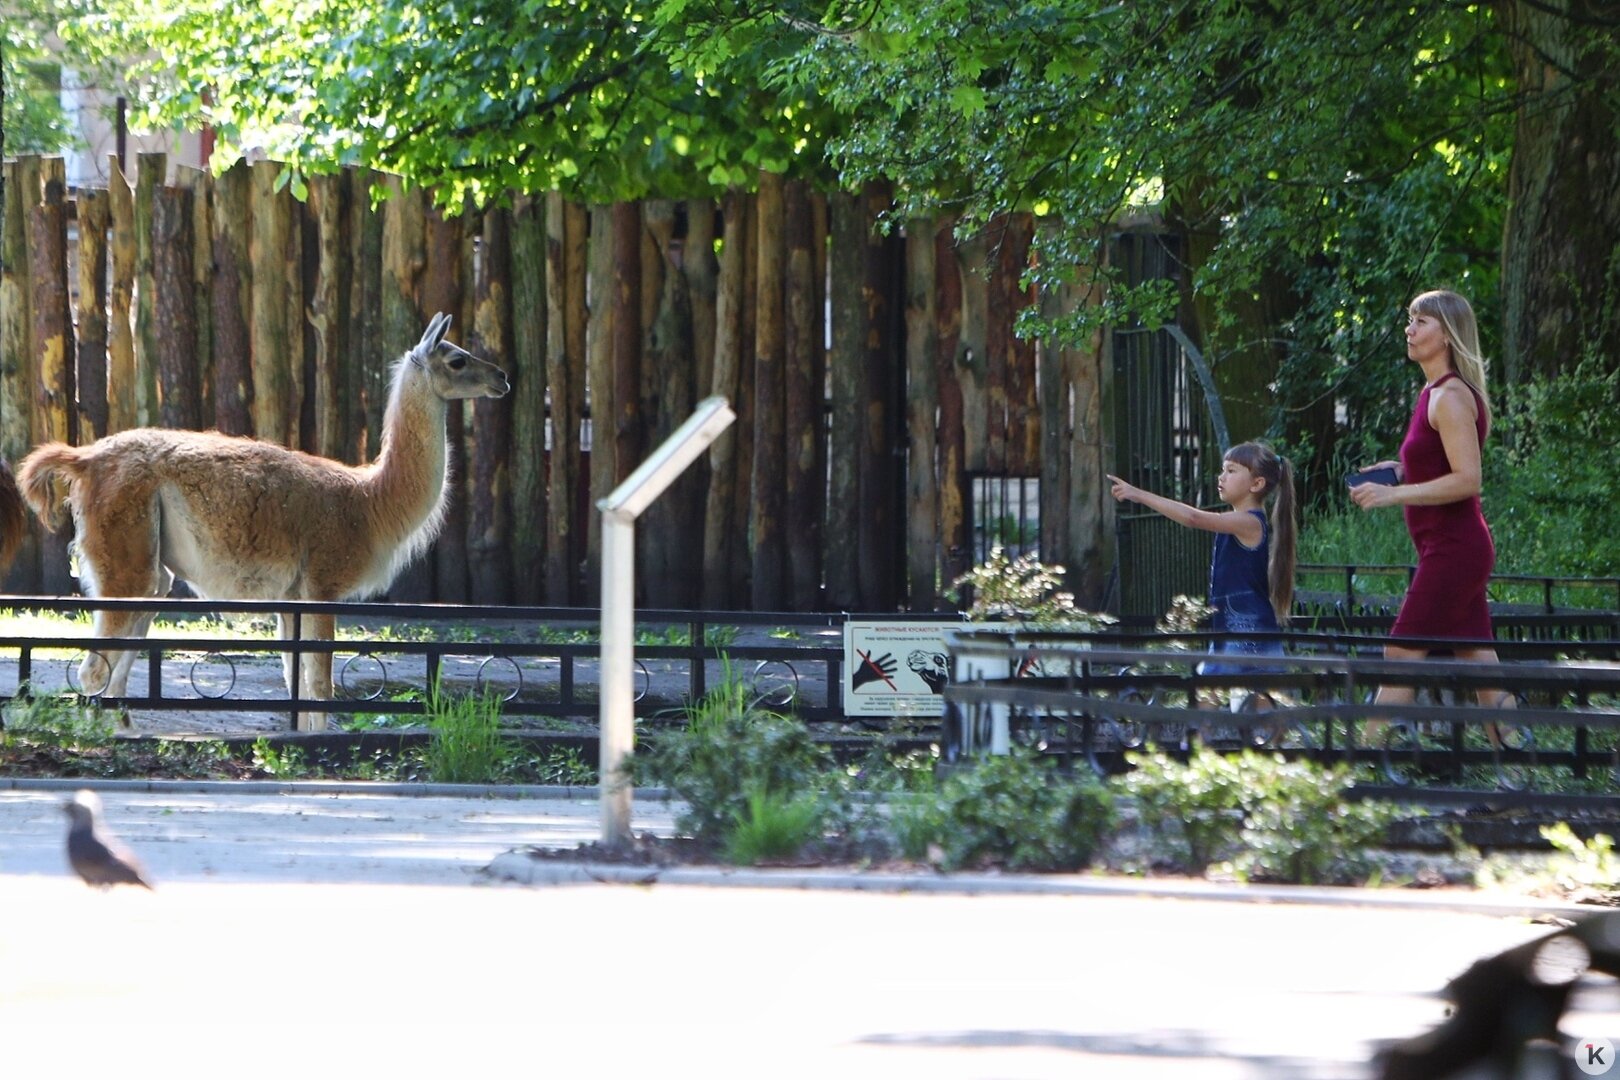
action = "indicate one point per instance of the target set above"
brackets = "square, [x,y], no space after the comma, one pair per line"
[876,377]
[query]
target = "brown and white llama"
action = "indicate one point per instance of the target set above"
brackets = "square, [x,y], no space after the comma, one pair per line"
[241,519]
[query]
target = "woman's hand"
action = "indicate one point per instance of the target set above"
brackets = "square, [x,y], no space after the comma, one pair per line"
[1368,496]
[1400,471]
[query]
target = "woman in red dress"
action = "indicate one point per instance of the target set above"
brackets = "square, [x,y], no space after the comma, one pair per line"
[1438,489]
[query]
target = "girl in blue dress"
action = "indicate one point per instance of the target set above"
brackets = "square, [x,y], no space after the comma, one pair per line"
[1251,574]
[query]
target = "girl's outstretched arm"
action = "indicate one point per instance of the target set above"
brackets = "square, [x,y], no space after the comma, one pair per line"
[1246,527]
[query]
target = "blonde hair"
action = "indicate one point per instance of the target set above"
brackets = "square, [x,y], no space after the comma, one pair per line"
[1462,334]
[1278,474]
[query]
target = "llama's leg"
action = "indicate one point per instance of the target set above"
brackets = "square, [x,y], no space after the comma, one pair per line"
[314,669]
[118,563]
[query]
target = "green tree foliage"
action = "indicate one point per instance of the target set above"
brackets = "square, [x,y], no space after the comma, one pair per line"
[474,97]
[31,118]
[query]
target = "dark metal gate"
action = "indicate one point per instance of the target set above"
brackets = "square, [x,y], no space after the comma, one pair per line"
[1168,438]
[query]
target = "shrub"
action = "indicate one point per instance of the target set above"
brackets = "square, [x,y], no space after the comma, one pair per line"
[774,826]
[727,753]
[1196,808]
[1274,819]
[1012,810]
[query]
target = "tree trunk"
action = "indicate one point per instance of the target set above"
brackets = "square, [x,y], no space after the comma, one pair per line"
[1560,264]
[175,313]
[1087,370]
[233,300]
[699,266]
[922,401]
[803,394]
[442,291]
[489,556]
[527,370]
[17,373]
[718,540]
[95,215]
[998,346]
[766,490]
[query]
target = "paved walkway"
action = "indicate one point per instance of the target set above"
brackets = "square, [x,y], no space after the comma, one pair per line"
[279,939]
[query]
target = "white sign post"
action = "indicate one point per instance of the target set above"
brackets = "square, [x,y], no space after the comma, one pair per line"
[620,508]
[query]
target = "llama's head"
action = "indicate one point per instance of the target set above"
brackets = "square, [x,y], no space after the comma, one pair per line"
[453,371]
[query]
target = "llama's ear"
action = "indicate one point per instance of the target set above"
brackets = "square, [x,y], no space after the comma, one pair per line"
[434,333]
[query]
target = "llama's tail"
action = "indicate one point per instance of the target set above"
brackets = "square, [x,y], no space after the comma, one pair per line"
[36,475]
[13,518]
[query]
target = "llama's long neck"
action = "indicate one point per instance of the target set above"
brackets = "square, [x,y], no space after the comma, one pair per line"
[407,485]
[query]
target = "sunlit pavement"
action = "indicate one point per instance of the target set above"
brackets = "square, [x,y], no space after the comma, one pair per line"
[342,936]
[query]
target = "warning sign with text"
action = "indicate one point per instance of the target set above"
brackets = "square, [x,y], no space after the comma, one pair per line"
[896,667]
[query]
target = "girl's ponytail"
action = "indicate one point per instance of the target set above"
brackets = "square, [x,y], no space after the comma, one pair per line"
[1284,543]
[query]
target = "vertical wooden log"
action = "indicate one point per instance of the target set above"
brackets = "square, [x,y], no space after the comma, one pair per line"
[881,493]
[231,226]
[699,265]
[769,477]
[527,370]
[95,215]
[442,290]
[152,169]
[576,316]
[175,313]
[17,378]
[599,344]
[17,374]
[1023,405]
[845,362]
[367,369]
[564,368]
[1057,393]
[627,439]
[328,314]
[52,342]
[121,413]
[741,568]
[201,186]
[489,556]
[922,403]
[718,539]
[804,481]
[272,351]
[303,254]
[998,346]
[955,538]
[669,551]
[404,257]
[1088,370]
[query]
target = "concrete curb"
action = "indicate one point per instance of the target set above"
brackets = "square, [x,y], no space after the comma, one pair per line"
[521,868]
[319,787]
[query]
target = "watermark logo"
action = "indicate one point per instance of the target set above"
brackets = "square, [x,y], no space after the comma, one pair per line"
[1594,1057]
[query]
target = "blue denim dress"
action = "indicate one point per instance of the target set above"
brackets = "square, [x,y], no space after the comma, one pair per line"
[1240,593]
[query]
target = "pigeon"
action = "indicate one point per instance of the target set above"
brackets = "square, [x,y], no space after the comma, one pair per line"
[95,854]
